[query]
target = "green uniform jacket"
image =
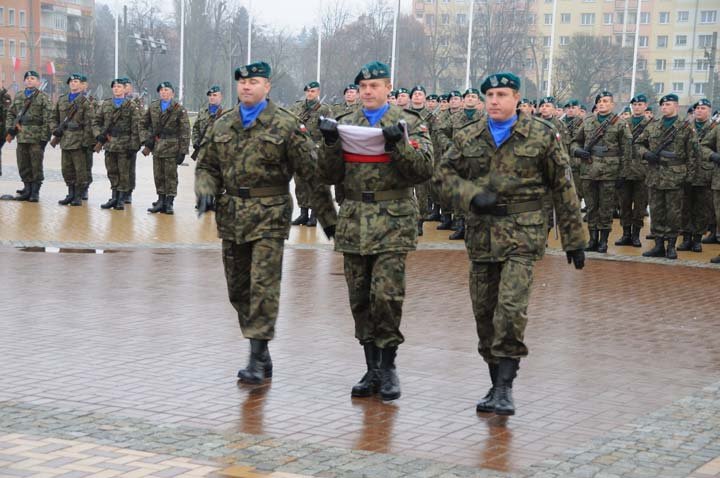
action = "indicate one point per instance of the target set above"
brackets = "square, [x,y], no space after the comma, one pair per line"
[561,128]
[137,104]
[310,115]
[266,154]
[711,144]
[609,154]
[703,170]
[528,165]
[125,128]
[670,173]
[344,108]
[368,228]
[79,127]
[202,125]
[636,168]
[572,125]
[5,102]
[36,123]
[445,128]
[171,129]
[89,138]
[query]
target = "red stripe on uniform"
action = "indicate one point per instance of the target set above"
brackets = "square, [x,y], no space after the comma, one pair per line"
[362,158]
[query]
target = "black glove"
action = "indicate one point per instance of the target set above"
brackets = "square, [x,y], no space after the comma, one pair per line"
[482,201]
[180,159]
[329,231]
[43,144]
[196,146]
[577,257]
[393,134]
[12,131]
[715,158]
[651,157]
[619,184]
[329,129]
[205,203]
[101,139]
[581,153]
[58,133]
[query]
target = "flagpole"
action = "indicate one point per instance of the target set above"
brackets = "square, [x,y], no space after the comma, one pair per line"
[394,44]
[552,48]
[469,45]
[635,51]
[117,45]
[249,39]
[319,56]
[182,49]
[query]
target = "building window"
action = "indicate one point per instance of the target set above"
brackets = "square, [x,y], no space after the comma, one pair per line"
[546,63]
[659,88]
[620,18]
[23,48]
[678,86]
[700,88]
[660,65]
[531,19]
[587,19]
[632,18]
[461,19]
[548,19]
[705,41]
[679,64]
[430,19]
[642,64]
[2,47]
[445,19]
[708,16]
[546,41]
[21,18]
[419,16]
[618,40]
[662,41]
[564,18]
[607,18]
[683,16]
[11,17]
[564,41]
[11,48]
[703,64]
[680,40]
[2,15]
[645,18]
[664,18]
[644,41]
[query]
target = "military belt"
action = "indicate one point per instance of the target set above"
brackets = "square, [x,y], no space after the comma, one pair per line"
[667,154]
[247,193]
[168,136]
[31,123]
[515,208]
[118,131]
[604,152]
[375,196]
[72,126]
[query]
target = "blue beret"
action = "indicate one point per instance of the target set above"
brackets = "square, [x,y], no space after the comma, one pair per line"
[547,99]
[74,76]
[417,88]
[213,89]
[473,91]
[500,80]
[703,102]
[351,87]
[31,73]
[311,85]
[670,97]
[163,84]
[602,94]
[253,70]
[639,99]
[372,71]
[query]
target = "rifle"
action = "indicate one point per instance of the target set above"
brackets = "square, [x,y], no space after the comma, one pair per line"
[17,127]
[150,143]
[638,130]
[668,138]
[196,149]
[306,114]
[60,130]
[106,132]
[600,132]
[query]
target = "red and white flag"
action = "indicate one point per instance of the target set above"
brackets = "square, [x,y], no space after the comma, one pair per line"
[16,63]
[51,68]
[361,140]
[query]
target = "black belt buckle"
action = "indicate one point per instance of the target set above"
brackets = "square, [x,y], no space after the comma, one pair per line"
[243,193]
[367,196]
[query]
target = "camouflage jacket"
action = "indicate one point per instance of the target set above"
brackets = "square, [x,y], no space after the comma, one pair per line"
[703,170]
[528,165]
[122,124]
[5,102]
[609,154]
[711,144]
[343,108]
[636,168]
[202,125]
[36,123]
[309,116]
[138,105]
[170,129]
[76,129]
[561,129]
[445,125]
[266,154]
[89,138]
[673,171]
[368,228]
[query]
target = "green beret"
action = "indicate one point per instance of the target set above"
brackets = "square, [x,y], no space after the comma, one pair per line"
[73,76]
[670,97]
[83,78]
[547,99]
[31,73]
[639,99]
[583,107]
[602,94]
[116,81]
[432,97]
[442,97]
[417,88]
[500,80]
[125,80]
[392,94]
[253,70]
[524,101]
[311,85]
[572,102]
[400,91]
[703,102]
[373,71]
[626,110]
[471,91]
[164,84]
[649,108]
[213,89]
[454,93]
[351,87]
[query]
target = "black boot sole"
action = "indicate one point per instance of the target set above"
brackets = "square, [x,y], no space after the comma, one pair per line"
[504,413]
[390,396]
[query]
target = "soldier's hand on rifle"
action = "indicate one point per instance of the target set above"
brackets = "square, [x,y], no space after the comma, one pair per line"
[205,203]
[715,158]
[651,158]
[483,201]
[576,257]
[329,129]
[582,154]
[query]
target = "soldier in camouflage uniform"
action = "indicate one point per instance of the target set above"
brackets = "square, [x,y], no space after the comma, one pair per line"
[711,153]
[309,111]
[351,101]
[247,161]
[433,104]
[670,148]
[134,148]
[573,122]
[116,128]
[71,124]
[89,141]
[497,170]
[604,143]
[32,134]
[5,101]
[547,110]
[376,222]
[402,96]
[166,128]
[422,191]
[206,118]
[444,139]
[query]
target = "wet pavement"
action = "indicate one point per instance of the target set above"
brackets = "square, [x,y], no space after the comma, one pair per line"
[126,355]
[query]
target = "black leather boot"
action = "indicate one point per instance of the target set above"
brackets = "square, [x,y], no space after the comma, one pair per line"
[603,243]
[128,197]
[68,199]
[696,243]
[715,260]
[671,252]
[111,202]
[370,382]
[26,188]
[434,214]
[85,192]
[636,237]
[159,205]
[487,403]
[658,250]
[420,227]
[626,239]
[389,381]
[302,219]
[259,366]
[445,222]
[507,371]
[686,243]
[120,201]
[77,198]
[168,209]
[312,220]
[459,233]
[35,191]
[712,237]
[594,241]
[24,193]
[650,236]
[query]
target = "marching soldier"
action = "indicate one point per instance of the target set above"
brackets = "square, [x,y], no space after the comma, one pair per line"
[71,124]
[28,120]
[206,118]
[5,102]
[247,162]
[670,148]
[167,129]
[505,223]
[604,142]
[376,223]
[444,138]
[711,153]
[309,111]
[350,101]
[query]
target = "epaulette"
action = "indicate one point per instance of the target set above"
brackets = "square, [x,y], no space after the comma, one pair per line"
[412,112]
[280,108]
[343,114]
[474,120]
[545,122]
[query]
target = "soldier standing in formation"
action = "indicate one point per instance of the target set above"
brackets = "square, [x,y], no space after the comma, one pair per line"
[350,101]
[5,102]
[88,142]
[444,135]
[422,191]
[247,162]
[167,130]
[28,120]
[402,96]
[711,153]
[376,223]
[136,102]
[573,122]
[206,118]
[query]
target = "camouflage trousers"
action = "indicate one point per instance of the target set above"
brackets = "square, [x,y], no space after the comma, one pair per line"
[633,203]
[118,170]
[74,167]
[665,212]
[696,210]
[422,193]
[132,154]
[253,271]
[376,286]
[165,175]
[30,162]
[302,192]
[600,200]
[716,207]
[500,292]
[88,162]
[578,184]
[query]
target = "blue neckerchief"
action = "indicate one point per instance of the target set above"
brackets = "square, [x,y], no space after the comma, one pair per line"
[118,102]
[469,113]
[248,114]
[72,96]
[164,105]
[29,91]
[373,116]
[213,109]
[637,119]
[501,130]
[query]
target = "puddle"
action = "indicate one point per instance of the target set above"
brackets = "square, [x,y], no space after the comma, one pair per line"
[68,250]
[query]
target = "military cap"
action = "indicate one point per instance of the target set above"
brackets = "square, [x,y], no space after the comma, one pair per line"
[471,91]
[626,110]
[400,91]
[547,99]
[311,85]
[670,97]
[639,99]
[703,102]
[116,81]
[417,88]
[524,101]
[73,76]
[164,84]
[213,89]
[84,78]
[372,71]
[442,97]
[572,102]
[253,70]
[352,86]
[500,80]
[583,107]
[125,80]
[31,73]
[649,108]
[602,94]
[454,93]
[433,97]
[392,94]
